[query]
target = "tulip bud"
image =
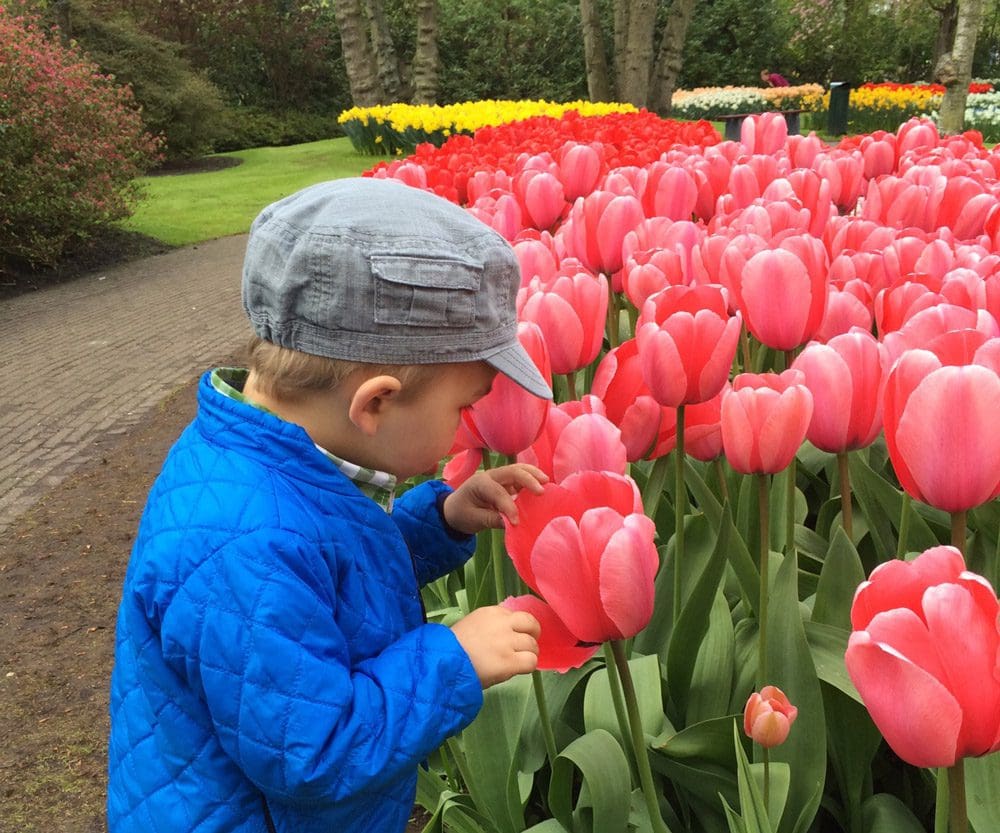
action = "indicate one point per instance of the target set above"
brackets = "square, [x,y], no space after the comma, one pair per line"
[768,716]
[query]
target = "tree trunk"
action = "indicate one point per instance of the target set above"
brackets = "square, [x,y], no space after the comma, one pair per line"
[385,51]
[633,85]
[671,55]
[621,9]
[955,69]
[425,57]
[359,56]
[947,12]
[598,83]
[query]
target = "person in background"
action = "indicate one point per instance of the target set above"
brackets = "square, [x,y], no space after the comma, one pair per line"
[773,79]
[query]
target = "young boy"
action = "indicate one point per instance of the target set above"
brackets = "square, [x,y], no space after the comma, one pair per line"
[273,668]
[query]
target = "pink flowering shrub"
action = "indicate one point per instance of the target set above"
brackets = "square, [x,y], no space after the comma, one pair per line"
[71,144]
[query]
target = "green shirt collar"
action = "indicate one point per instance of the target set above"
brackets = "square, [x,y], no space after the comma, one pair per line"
[380,486]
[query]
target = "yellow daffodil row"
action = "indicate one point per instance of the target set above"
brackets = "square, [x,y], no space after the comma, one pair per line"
[396,129]
[879,107]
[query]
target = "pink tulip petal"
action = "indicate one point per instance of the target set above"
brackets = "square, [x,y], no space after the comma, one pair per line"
[916,714]
[558,649]
[591,441]
[784,428]
[954,619]
[627,569]
[953,452]
[568,580]
[901,584]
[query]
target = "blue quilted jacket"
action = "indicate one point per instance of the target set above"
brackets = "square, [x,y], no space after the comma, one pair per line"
[272,665]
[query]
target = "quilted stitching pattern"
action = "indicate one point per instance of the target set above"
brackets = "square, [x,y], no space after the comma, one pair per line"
[270,641]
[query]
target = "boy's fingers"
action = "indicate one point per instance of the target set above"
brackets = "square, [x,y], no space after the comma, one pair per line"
[523,622]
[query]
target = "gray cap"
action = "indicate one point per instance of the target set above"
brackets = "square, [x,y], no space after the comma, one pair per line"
[373,270]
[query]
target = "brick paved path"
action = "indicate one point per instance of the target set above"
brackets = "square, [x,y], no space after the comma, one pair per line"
[87,358]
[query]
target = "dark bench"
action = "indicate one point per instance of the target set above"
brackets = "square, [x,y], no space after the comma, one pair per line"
[734,122]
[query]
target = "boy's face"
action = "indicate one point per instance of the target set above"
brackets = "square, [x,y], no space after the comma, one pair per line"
[419,430]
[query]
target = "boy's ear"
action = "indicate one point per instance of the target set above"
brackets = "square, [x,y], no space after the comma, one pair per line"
[370,400]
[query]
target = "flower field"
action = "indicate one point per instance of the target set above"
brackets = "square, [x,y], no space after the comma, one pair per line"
[765,561]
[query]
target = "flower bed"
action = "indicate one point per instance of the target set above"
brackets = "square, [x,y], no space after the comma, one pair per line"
[777,360]
[395,129]
[712,102]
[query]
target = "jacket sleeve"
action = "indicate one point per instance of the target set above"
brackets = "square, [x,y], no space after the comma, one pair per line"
[253,631]
[435,551]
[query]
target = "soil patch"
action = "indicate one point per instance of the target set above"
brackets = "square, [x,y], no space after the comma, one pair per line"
[61,569]
[106,248]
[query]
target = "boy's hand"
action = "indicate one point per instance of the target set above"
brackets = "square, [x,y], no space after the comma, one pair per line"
[482,500]
[500,642]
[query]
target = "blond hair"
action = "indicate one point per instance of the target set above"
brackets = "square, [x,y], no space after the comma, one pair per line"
[283,373]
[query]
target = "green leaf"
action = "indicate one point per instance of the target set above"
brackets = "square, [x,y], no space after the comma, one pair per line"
[752,809]
[853,741]
[689,633]
[490,760]
[606,783]
[842,573]
[982,775]
[710,740]
[598,707]
[828,644]
[791,669]
[884,813]
[712,681]
[702,493]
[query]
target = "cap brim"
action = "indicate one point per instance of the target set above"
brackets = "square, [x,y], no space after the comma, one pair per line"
[514,362]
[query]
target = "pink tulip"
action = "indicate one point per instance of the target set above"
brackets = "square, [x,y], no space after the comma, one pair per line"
[703,427]
[846,377]
[627,400]
[580,167]
[587,549]
[765,133]
[541,197]
[764,421]
[570,309]
[940,425]
[508,418]
[596,227]
[483,183]
[929,324]
[783,292]
[687,341]
[647,272]
[768,716]
[846,307]
[501,211]
[558,649]
[923,655]
[671,191]
[537,256]
[577,436]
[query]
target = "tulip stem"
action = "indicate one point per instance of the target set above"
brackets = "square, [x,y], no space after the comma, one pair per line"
[543,717]
[570,387]
[763,506]
[958,531]
[614,337]
[790,510]
[767,780]
[846,509]
[745,345]
[616,693]
[680,510]
[720,472]
[638,738]
[957,810]
[496,553]
[904,525]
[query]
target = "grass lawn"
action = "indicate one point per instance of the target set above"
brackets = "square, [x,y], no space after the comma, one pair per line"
[188,208]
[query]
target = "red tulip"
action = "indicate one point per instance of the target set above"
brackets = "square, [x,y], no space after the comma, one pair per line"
[508,418]
[940,425]
[571,309]
[764,421]
[627,400]
[846,377]
[687,341]
[558,649]
[585,547]
[923,655]
[577,436]
[768,716]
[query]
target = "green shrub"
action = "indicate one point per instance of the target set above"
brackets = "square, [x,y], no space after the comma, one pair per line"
[178,103]
[251,127]
[71,144]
